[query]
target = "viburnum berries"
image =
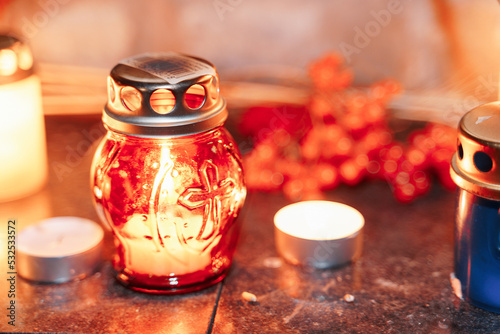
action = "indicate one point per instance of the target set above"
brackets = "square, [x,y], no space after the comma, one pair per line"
[341,137]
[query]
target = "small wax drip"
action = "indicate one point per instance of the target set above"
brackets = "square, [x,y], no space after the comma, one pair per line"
[57,242]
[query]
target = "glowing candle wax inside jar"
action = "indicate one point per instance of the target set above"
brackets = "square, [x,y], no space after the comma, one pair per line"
[144,257]
[167,177]
[318,233]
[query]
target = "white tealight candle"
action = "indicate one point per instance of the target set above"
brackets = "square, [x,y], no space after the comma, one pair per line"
[59,249]
[322,234]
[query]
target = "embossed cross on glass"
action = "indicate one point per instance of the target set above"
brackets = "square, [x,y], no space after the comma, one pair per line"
[167,177]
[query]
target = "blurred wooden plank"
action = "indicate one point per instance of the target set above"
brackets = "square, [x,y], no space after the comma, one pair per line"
[73,90]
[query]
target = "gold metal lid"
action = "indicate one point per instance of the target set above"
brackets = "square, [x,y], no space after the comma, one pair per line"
[163,95]
[16,60]
[475,165]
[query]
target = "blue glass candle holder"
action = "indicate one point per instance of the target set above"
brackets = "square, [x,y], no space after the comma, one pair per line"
[475,169]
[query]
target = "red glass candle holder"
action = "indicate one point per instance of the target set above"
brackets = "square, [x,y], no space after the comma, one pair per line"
[167,176]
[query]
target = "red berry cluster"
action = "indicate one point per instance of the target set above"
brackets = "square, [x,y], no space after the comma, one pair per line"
[341,136]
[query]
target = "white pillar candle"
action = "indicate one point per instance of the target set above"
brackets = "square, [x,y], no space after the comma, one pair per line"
[23,157]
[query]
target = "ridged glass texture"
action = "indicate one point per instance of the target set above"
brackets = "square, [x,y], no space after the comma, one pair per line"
[172,205]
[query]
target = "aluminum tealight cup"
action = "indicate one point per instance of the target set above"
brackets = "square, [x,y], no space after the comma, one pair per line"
[321,234]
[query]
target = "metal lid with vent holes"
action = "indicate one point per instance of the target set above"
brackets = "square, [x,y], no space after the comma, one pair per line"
[475,165]
[16,60]
[163,95]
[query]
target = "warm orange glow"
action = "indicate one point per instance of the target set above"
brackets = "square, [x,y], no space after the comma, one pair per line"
[421,180]
[25,58]
[8,62]
[416,156]
[162,101]
[327,175]
[111,90]
[195,95]
[395,152]
[373,167]
[131,98]
[23,157]
[344,146]
[348,170]
[390,166]
[408,190]
[402,178]
[362,160]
